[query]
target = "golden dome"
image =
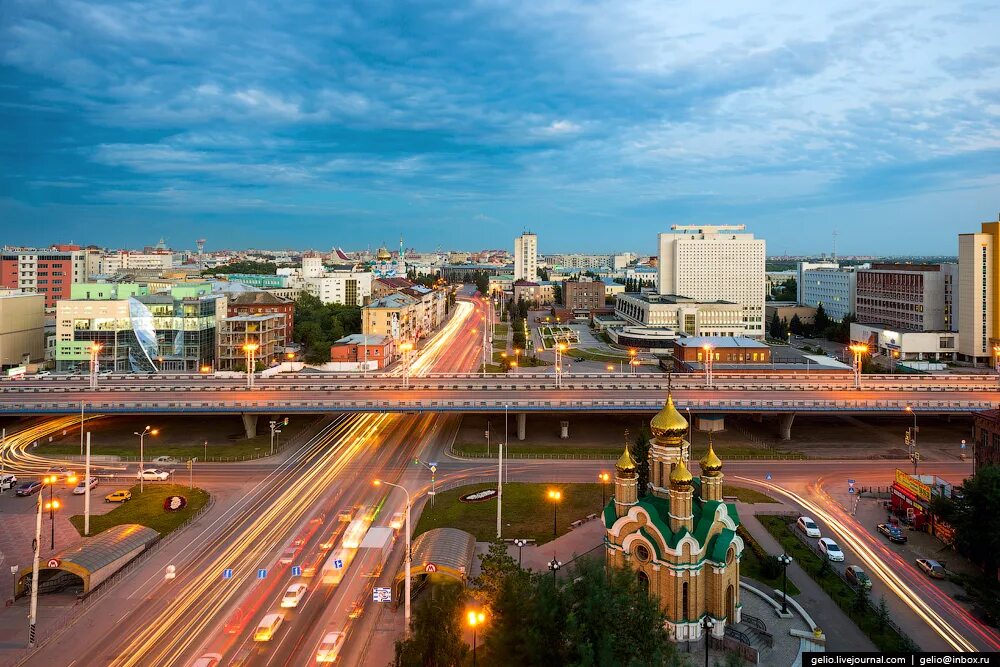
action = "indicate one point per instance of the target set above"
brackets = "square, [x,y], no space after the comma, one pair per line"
[711,465]
[625,462]
[680,476]
[668,421]
[383,255]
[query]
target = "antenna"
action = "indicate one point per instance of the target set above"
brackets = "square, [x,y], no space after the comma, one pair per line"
[835,235]
[201,246]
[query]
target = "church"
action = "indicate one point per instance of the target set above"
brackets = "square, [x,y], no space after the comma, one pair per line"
[680,538]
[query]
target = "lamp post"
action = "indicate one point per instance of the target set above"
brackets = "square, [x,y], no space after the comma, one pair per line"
[555,496]
[33,610]
[152,431]
[475,618]
[604,478]
[95,349]
[251,350]
[554,566]
[500,449]
[859,349]
[405,348]
[785,561]
[631,362]
[560,348]
[708,349]
[52,506]
[406,602]
[912,440]
[707,624]
[520,544]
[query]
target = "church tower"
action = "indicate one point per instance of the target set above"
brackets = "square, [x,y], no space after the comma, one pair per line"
[681,498]
[626,484]
[711,474]
[667,448]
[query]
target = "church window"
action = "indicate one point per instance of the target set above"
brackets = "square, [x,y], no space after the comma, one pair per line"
[643,582]
[641,552]
[684,600]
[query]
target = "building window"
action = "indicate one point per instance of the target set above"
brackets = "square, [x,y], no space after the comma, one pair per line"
[641,552]
[684,600]
[643,582]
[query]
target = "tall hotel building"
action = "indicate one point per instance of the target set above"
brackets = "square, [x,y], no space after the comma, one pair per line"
[716,263]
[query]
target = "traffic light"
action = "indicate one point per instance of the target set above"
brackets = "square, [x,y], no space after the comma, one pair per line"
[906,438]
[286,421]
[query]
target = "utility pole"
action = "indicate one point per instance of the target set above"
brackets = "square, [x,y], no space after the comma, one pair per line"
[86,492]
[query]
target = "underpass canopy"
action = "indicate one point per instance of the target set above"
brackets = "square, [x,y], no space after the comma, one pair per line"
[445,551]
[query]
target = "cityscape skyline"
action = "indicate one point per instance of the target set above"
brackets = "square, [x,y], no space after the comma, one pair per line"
[126,124]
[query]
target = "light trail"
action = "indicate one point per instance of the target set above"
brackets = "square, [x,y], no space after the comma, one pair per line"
[875,564]
[16,451]
[439,344]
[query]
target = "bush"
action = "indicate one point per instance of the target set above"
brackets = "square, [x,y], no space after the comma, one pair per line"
[770,567]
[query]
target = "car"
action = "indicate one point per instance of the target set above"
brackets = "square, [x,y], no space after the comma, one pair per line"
[243,657]
[288,555]
[329,648]
[268,627]
[807,526]
[106,373]
[208,660]
[7,481]
[82,487]
[42,374]
[397,520]
[931,568]
[28,488]
[119,496]
[829,548]
[152,474]
[293,596]
[857,577]
[164,460]
[57,471]
[894,533]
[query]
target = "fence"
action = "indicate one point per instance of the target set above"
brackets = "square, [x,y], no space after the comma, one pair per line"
[764,456]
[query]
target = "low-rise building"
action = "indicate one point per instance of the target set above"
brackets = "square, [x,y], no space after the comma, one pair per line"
[691,353]
[788,310]
[683,315]
[535,294]
[430,310]
[985,445]
[393,316]
[901,345]
[385,286]
[583,294]
[261,303]
[265,330]
[612,288]
[361,348]
[22,328]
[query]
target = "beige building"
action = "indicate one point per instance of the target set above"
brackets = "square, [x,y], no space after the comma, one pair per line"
[266,331]
[978,293]
[680,538]
[690,316]
[22,327]
[394,315]
[535,294]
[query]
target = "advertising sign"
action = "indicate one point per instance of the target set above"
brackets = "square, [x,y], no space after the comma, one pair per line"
[913,485]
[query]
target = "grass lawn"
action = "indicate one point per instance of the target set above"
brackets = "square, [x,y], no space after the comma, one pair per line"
[146,509]
[500,330]
[235,449]
[752,565]
[527,512]
[884,637]
[493,368]
[746,495]
[594,355]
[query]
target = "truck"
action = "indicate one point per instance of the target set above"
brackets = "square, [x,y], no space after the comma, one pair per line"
[342,557]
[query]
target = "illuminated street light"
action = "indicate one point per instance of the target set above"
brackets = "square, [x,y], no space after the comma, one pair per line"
[859,350]
[251,350]
[555,496]
[151,431]
[785,561]
[406,605]
[709,357]
[95,349]
[475,618]
[405,348]
[603,478]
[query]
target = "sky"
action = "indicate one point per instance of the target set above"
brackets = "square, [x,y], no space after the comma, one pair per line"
[596,124]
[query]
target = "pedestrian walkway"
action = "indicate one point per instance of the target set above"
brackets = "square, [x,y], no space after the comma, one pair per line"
[841,632]
[564,548]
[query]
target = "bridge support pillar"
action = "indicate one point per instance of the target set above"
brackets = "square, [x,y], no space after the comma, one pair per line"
[522,425]
[249,424]
[785,420]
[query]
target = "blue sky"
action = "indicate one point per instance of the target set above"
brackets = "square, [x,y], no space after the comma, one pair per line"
[596,124]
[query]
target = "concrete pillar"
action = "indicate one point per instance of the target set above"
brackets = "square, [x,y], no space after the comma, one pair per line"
[564,429]
[522,424]
[249,423]
[785,425]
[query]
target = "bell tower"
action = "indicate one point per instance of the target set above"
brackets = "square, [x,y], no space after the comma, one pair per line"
[626,483]
[668,446]
[711,474]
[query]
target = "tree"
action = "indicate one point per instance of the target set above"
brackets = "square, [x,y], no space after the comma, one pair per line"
[640,454]
[246,266]
[882,613]
[435,631]
[319,325]
[557,294]
[821,321]
[795,326]
[975,517]
[543,274]
[860,597]
[774,328]
[482,282]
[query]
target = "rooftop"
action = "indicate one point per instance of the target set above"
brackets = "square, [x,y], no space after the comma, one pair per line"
[720,341]
[256,298]
[393,301]
[362,339]
[669,299]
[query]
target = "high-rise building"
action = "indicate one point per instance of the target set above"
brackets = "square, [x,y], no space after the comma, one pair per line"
[526,257]
[828,286]
[48,272]
[979,292]
[908,297]
[715,263]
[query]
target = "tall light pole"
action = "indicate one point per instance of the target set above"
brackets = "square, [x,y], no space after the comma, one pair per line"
[86,491]
[914,453]
[631,361]
[709,357]
[406,601]
[52,506]
[560,348]
[251,350]
[707,624]
[475,618]
[785,561]
[152,431]
[274,429]
[33,610]
[555,496]
[405,348]
[95,349]
[500,449]
[859,349]
[604,478]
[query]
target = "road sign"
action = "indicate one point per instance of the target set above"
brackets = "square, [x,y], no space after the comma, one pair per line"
[382,594]
[338,564]
[296,570]
[430,568]
[227,573]
[433,464]
[767,476]
[262,573]
[53,563]
[851,482]
[850,489]
[963,444]
[850,486]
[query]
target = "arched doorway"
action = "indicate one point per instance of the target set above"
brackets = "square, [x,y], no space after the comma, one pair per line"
[643,582]
[730,604]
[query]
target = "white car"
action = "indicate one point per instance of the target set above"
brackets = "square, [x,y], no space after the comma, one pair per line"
[208,660]
[329,648]
[830,549]
[7,481]
[807,526]
[293,596]
[81,488]
[151,474]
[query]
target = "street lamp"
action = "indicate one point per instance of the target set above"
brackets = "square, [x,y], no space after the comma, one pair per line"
[152,431]
[632,360]
[859,349]
[785,561]
[405,348]
[251,350]
[520,544]
[707,624]
[912,439]
[560,348]
[406,604]
[604,478]
[95,349]
[555,496]
[554,566]
[708,364]
[475,618]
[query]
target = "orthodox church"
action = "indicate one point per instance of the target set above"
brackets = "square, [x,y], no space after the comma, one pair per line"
[680,538]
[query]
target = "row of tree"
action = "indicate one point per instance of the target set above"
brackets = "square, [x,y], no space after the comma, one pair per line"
[245,266]
[318,325]
[636,284]
[822,326]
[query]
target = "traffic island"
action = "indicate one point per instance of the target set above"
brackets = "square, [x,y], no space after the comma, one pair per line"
[155,507]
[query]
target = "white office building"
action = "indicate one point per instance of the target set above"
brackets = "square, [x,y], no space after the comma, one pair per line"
[827,285]
[979,292]
[526,257]
[715,263]
[349,288]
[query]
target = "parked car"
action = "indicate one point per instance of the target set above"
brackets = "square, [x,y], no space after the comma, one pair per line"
[153,474]
[7,481]
[120,496]
[829,548]
[28,488]
[857,577]
[894,533]
[81,488]
[931,568]
[807,526]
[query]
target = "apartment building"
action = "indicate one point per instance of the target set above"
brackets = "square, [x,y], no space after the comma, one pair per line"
[526,257]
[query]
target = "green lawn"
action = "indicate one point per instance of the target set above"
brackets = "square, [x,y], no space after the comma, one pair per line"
[885,638]
[235,449]
[752,565]
[500,330]
[746,495]
[527,512]
[594,355]
[146,509]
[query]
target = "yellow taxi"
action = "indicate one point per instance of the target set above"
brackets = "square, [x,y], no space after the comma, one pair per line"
[120,496]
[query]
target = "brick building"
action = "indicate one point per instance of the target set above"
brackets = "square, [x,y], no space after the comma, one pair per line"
[261,303]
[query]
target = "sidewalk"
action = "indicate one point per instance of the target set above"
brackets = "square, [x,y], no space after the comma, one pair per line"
[841,632]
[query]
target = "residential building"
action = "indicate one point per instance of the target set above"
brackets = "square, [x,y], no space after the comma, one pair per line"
[47,272]
[359,348]
[832,288]
[985,443]
[540,293]
[979,294]
[266,331]
[430,310]
[908,297]
[501,284]
[22,328]
[526,257]
[583,294]
[620,261]
[901,345]
[261,303]
[715,263]
[385,286]
[349,288]
[259,280]
[583,262]
[681,314]
[124,260]
[612,288]
[393,315]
